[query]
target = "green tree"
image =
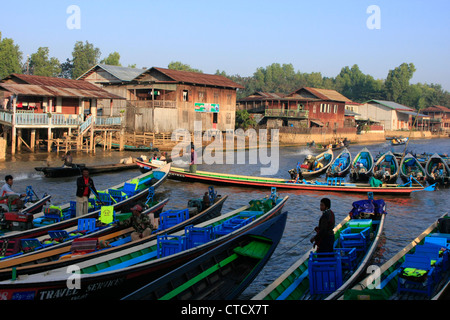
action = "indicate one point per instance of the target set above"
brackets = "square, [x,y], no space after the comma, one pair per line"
[244,120]
[113,59]
[42,65]
[397,81]
[10,57]
[85,56]
[177,65]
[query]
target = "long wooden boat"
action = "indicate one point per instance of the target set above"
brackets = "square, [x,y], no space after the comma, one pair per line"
[322,160]
[76,169]
[386,168]
[334,147]
[388,283]
[442,175]
[33,204]
[115,275]
[261,182]
[410,167]
[325,276]
[398,141]
[341,164]
[140,189]
[222,273]
[362,166]
[118,240]
[27,249]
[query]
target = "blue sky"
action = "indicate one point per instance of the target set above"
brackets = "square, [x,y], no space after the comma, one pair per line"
[241,36]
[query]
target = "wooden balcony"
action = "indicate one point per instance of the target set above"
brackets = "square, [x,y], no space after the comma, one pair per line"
[281,113]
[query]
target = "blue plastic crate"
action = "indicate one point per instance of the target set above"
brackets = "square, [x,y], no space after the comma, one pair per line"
[325,273]
[87,225]
[197,236]
[168,245]
[170,218]
[118,195]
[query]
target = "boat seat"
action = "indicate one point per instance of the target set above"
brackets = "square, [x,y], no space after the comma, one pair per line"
[129,262]
[421,266]
[86,225]
[168,245]
[29,245]
[325,272]
[105,198]
[197,236]
[129,188]
[348,257]
[170,218]
[118,195]
[354,238]
[334,181]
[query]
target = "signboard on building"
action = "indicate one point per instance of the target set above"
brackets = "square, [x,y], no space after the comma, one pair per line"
[206,107]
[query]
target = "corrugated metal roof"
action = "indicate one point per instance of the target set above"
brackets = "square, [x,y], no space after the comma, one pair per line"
[121,73]
[259,95]
[193,77]
[436,109]
[391,104]
[50,91]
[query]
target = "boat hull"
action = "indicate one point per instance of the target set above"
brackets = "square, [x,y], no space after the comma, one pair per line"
[243,181]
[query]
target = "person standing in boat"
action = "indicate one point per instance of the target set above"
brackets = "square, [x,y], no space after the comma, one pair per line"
[84,186]
[324,239]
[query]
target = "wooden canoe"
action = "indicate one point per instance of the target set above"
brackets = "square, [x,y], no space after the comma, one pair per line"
[386,168]
[343,161]
[141,184]
[442,176]
[262,182]
[324,159]
[118,274]
[410,167]
[384,284]
[75,170]
[119,240]
[362,166]
[344,265]
[222,273]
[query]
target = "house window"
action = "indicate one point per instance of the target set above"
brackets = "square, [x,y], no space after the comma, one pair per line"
[216,97]
[335,108]
[314,109]
[185,95]
[321,107]
[228,99]
[328,108]
[201,96]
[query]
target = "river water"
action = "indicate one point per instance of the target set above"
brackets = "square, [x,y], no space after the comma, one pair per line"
[407,216]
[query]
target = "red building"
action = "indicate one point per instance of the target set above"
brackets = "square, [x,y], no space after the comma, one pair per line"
[305,107]
[439,118]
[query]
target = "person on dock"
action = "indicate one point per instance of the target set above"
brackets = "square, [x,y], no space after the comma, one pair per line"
[140,222]
[67,158]
[12,196]
[324,239]
[193,163]
[84,186]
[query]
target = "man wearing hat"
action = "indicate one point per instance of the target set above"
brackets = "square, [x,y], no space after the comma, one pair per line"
[140,222]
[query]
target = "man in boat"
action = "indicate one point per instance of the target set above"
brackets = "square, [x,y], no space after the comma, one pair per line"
[84,186]
[324,239]
[193,164]
[141,223]
[12,196]
[67,158]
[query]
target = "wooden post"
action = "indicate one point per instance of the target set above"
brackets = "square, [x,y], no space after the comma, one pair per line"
[13,134]
[122,139]
[49,139]
[105,142]
[110,140]
[19,139]
[33,140]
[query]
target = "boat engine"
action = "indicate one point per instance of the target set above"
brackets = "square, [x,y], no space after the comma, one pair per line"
[16,221]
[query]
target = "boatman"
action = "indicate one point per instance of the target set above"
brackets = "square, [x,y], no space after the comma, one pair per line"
[193,163]
[67,158]
[13,197]
[140,222]
[324,239]
[84,186]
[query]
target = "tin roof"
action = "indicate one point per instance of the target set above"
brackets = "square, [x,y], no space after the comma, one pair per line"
[259,95]
[320,94]
[436,109]
[392,105]
[121,73]
[191,77]
[21,84]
